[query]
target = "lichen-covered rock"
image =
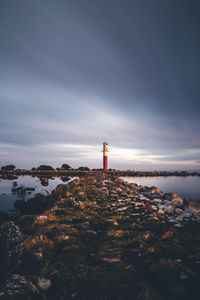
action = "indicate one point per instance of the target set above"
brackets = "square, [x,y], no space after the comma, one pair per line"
[17,287]
[10,236]
[11,239]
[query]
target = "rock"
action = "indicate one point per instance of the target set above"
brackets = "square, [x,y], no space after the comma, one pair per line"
[38,255]
[118,190]
[144,198]
[111,260]
[43,283]
[68,194]
[197,218]
[156,201]
[18,287]
[178,211]
[81,193]
[169,196]
[169,209]
[122,208]
[179,218]
[155,191]
[139,204]
[11,240]
[174,198]
[10,236]
[40,220]
[77,204]
[167,234]
[177,201]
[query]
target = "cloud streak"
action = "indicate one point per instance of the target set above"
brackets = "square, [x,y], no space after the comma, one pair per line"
[74,74]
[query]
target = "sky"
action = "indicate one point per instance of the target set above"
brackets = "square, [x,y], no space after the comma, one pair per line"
[75,73]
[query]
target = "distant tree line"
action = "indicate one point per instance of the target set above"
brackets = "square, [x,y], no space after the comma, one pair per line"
[65,167]
[8,168]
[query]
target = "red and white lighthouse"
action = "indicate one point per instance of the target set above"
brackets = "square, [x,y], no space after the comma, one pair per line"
[105,156]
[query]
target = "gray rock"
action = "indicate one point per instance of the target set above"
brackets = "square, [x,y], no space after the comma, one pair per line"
[175,199]
[11,240]
[156,201]
[18,287]
[178,211]
[10,236]
[180,218]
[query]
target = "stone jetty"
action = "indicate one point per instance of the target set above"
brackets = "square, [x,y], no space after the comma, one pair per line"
[100,237]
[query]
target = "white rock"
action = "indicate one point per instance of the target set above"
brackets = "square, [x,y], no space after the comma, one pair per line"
[43,283]
[122,208]
[41,218]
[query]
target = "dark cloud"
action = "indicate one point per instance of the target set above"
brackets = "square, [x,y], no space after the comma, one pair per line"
[79,72]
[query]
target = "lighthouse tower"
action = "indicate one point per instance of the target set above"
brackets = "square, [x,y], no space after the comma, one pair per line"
[105,155]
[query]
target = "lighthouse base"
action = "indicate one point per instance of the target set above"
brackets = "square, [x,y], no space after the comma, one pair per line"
[105,162]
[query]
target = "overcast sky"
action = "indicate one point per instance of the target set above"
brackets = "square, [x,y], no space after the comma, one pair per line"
[75,73]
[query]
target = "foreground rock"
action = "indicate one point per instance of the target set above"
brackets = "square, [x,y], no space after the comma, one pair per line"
[17,287]
[103,238]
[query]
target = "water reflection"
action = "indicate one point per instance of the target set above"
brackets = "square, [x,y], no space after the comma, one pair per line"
[185,187]
[14,188]
[21,191]
[44,181]
[65,179]
[8,177]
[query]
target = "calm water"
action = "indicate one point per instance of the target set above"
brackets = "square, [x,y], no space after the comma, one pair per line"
[10,189]
[186,187]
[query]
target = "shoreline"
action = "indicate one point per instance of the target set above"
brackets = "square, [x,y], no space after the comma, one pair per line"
[132,173]
[100,237]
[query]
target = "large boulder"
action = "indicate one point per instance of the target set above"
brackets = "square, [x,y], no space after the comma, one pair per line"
[11,240]
[17,287]
[10,236]
[174,198]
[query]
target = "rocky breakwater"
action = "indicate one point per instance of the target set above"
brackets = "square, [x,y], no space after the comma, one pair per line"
[104,238]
